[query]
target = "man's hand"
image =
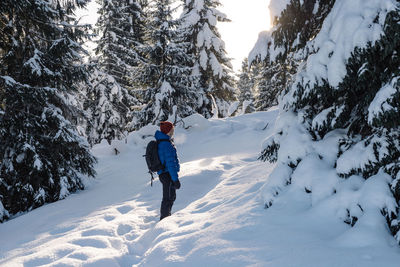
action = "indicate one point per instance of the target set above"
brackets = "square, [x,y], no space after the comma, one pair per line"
[177,184]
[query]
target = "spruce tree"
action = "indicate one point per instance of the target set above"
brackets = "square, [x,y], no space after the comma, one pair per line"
[364,107]
[42,157]
[288,45]
[245,85]
[210,59]
[114,82]
[108,108]
[122,28]
[167,69]
[299,22]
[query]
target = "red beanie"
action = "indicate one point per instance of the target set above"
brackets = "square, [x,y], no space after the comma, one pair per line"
[166,126]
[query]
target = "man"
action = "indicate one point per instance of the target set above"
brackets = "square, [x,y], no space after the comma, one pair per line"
[169,175]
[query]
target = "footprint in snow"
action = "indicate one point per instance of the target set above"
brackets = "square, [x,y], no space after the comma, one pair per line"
[96,232]
[38,261]
[227,166]
[124,229]
[90,242]
[62,230]
[109,218]
[150,219]
[79,256]
[205,207]
[186,223]
[131,236]
[125,209]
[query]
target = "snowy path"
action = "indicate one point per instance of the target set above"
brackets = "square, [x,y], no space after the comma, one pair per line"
[218,217]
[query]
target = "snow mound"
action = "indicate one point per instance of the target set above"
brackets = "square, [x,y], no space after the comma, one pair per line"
[311,170]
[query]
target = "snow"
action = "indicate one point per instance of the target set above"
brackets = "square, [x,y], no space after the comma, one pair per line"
[34,63]
[203,59]
[260,48]
[37,164]
[350,24]
[265,47]
[3,212]
[245,104]
[363,154]
[276,7]
[233,108]
[381,102]
[216,66]
[8,80]
[319,120]
[306,168]
[166,88]
[218,218]
[214,110]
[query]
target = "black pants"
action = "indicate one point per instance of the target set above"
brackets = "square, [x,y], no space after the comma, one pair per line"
[169,195]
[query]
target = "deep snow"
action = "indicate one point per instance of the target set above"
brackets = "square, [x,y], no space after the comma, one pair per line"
[218,218]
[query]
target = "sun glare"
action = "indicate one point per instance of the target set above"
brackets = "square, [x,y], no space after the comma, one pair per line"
[249,18]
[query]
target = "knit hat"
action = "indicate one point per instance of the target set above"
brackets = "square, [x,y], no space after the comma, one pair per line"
[166,126]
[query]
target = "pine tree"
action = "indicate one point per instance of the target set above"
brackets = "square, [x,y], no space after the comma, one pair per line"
[211,62]
[167,70]
[42,157]
[245,85]
[122,28]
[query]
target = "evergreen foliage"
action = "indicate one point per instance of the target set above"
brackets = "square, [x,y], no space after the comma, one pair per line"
[299,23]
[42,157]
[122,28]
[288,45]
[167,69]
[245,85]
[200,18]
[108,108]
[365,106]
[270,82]
[114,80]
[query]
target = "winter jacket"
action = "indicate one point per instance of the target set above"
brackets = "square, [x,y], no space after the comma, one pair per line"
[168,156]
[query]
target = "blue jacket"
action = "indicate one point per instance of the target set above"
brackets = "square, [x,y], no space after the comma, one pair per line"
[168,156]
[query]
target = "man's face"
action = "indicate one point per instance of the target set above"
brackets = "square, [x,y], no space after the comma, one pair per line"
[171,133]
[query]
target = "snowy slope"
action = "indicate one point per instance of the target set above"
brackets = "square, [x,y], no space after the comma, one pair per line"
[218,219]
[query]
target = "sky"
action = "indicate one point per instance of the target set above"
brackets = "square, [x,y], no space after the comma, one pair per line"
[248,17]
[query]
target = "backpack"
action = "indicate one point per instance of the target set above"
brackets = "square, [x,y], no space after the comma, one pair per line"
[153,161]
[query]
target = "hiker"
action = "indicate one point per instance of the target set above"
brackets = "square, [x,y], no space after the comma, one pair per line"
[169,175]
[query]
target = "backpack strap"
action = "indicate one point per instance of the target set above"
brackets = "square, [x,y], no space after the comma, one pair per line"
[163,140]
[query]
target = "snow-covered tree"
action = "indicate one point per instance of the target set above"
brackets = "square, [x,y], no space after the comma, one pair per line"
[42,157]
[341,113]
[210,60]
[281,50]
[167,70]
[297,24]
[245,85]
[121,25]
[108,108]
[114,80]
